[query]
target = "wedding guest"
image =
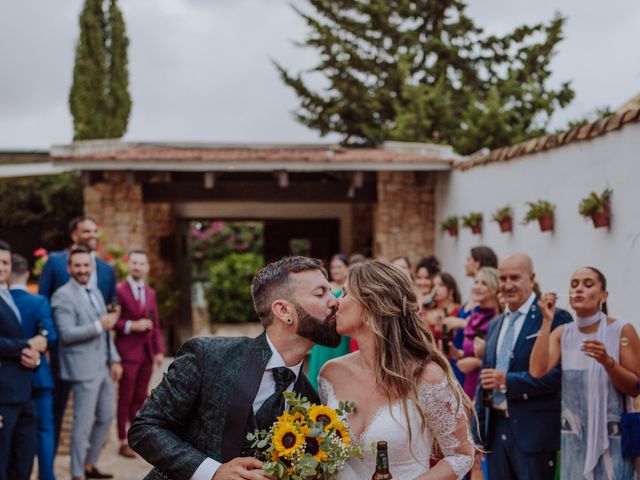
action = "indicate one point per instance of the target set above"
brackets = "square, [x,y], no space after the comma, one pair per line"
[518,424]
[425,271]
[19,357]
[403,386]
[88,361]
[320,354]
[446,302]
[478,257]
[36,320]
[600,365]
[403,264]
[485,296]
[139,343]
[83,232]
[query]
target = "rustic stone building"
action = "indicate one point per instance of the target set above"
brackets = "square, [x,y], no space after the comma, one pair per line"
[376,201]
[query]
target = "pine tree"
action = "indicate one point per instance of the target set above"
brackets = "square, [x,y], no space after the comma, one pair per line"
[421,70]
[99,99]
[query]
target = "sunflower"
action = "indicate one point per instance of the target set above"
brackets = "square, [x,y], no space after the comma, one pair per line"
[324,415]
[342,432]
[286,439]
[312,444]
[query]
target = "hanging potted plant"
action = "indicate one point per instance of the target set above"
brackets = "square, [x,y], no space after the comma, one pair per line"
[473,221]
[450,224]
[504,217]
[597,208]
[542,211]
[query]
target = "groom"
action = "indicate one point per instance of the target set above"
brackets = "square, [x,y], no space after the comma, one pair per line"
[194,425]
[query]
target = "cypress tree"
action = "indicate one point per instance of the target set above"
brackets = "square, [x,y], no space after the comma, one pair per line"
[99,100]
[421,70]
[120,101]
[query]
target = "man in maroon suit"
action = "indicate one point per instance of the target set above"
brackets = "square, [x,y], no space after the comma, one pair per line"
[139,343]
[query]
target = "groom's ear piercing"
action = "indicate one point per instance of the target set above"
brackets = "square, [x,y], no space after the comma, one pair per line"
[289,321]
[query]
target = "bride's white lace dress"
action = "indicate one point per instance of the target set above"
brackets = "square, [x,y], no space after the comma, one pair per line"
[409,458]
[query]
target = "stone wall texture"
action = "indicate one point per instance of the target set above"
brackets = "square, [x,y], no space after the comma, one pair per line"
[404,218]
[126,221]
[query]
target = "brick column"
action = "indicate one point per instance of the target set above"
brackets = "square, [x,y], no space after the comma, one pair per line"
[404,218]
[126,221]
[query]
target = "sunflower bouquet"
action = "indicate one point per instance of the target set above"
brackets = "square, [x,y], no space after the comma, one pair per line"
[308,441]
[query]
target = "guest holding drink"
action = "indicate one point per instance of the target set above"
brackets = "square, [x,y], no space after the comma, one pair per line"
[600,365]
[446,302]
[139,343]
[320,354]
[485,296]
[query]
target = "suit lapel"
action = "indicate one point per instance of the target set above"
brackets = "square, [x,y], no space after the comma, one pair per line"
[531,325]
[12,316]
[240,409]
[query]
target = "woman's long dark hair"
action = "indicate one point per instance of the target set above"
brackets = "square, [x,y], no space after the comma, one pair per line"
[452,285]
[603,283]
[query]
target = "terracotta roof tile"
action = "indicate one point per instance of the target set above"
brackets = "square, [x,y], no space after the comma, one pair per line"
[547,142]
[167,153]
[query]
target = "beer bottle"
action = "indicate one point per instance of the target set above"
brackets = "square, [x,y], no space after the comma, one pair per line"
[382,463]
[445,336]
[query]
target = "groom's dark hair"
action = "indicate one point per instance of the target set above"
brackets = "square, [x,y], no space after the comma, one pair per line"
[272,282]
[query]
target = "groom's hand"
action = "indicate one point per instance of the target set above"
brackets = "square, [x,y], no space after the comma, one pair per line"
[240,468]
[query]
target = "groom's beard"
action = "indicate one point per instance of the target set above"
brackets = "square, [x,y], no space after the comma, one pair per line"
[320,331]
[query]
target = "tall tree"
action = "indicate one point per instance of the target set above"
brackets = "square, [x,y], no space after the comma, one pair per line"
[99,98]
[421,70]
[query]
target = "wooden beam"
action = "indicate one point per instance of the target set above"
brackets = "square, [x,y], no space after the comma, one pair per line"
[300,191]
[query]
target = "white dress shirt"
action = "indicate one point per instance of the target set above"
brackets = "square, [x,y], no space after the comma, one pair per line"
[209,467]
[517,328]
[139,293]
[93,279]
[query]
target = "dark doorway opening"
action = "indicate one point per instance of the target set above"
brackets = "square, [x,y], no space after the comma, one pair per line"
[313,238]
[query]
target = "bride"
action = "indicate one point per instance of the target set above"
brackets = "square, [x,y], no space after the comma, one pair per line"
[403,386]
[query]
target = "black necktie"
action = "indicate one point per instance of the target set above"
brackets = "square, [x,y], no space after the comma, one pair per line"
[274,405]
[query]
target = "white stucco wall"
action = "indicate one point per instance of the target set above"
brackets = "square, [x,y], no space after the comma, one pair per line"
[562,176]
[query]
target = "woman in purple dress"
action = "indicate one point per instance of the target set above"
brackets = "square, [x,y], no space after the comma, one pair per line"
[485,296]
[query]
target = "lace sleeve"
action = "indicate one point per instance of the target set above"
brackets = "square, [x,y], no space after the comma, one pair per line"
[324,390]
[449,424]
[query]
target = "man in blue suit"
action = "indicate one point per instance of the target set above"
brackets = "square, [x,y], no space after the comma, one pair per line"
[36,319]
[83,231]
[519,416]
[19,356]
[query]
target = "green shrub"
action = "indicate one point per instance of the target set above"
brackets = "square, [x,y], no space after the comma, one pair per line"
[595,203]
[537,210]
[229,289]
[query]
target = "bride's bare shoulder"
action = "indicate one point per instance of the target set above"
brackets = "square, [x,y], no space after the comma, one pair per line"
[432,373]
[336,368]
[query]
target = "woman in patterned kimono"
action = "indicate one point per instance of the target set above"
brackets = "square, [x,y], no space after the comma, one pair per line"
[600,365]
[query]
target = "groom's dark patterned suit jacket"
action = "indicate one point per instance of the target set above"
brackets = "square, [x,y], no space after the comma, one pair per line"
[203,406]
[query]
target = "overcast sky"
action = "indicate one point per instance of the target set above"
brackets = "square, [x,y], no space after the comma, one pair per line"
[200,69]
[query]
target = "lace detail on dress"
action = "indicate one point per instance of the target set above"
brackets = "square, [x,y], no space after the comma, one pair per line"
[325,390]
[449,424]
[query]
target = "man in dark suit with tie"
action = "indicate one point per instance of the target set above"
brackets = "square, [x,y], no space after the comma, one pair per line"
[88,360]
[195,422]
[519,419]
[36,320]
[139,343]
[19,356]
[83,231]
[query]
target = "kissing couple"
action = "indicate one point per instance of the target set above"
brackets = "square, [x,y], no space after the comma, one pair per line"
[195,423]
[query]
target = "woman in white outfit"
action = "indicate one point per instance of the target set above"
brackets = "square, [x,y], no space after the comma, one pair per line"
[404,389]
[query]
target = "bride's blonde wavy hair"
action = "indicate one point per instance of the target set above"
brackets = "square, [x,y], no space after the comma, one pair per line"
[404,343]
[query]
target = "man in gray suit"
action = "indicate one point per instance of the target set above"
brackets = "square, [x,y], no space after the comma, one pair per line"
[89,360]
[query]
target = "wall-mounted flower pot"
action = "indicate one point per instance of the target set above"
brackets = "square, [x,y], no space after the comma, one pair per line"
[546,223]
[601,218]
[476,229]
[453,231]
[506,225]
